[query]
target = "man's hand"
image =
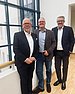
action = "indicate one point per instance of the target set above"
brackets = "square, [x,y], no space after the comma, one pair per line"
[45,53]
[30,60]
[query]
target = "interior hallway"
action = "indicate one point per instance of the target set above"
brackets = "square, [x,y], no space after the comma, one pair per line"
[70,85]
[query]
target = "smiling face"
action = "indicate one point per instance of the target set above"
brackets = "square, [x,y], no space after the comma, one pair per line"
[26,25]
[41,23]
[60,21]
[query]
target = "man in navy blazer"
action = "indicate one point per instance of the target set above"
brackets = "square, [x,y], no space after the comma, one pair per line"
[25,47]
[64,45]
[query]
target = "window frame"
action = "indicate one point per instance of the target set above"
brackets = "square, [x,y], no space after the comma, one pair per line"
[22,8]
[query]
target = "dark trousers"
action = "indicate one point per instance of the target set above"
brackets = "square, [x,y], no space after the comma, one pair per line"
[26,74]
[61,59]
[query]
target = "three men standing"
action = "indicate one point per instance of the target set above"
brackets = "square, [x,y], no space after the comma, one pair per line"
[25,45]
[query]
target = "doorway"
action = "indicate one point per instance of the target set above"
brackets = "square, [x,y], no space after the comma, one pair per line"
[72,19]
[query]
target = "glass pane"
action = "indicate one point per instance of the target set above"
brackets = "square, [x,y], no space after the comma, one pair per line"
[29,4]
[14,2]
[2,0]
[2,14]
[36,19]
[4,56]
[3,35]
[12,53]
[35,4]
[30,15]
[14,16]
[13,29]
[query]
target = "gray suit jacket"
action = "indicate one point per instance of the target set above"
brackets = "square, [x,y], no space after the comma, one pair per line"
[50,42]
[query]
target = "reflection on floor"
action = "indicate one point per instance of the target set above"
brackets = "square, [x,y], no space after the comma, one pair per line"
[70,85]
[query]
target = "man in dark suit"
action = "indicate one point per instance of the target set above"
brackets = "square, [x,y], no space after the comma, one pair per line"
[46,46]
[64,46]
[25,47]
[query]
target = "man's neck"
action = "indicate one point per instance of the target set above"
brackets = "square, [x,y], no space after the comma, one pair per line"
[42,29]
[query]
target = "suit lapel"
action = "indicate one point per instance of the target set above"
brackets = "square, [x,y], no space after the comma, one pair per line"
[56,35]
[25,40]
[63,35]
[46,36]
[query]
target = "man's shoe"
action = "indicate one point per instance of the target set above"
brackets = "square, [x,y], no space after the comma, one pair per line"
[63,85]
[56,83]
[48,87]
[37,90]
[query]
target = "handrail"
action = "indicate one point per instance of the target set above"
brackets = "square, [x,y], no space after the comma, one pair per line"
[6,64]
[11,62]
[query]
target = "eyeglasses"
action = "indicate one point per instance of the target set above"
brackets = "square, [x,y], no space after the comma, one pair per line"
[60,21]
[41,21]
[26,23]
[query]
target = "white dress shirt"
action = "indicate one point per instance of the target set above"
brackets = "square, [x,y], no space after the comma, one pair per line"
[30,41]
[59,43]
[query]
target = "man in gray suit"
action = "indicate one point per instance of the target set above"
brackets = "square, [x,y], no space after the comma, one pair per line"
[46,46]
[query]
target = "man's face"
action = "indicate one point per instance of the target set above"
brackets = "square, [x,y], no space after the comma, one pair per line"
[41,23]
[60,22]
[26,25]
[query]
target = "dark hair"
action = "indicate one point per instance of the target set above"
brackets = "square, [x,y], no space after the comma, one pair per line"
[61,17]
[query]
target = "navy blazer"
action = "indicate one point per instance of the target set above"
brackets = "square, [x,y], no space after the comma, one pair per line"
[67,39]
[21,47]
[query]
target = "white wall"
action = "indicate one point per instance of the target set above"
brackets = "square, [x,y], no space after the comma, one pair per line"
[10,84]
[50,9]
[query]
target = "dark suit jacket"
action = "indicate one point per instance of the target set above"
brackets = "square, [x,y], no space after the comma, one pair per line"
[67,39]
[50,42]
[21,48]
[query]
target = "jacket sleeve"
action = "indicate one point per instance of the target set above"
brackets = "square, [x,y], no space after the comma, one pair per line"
[53,43]
[71,39]
[18,55]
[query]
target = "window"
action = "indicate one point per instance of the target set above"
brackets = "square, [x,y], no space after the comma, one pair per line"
[12,12]
[12,53]
[29,4]
[2,14]
[13,29]
[14,16]
[36,5]
[29,15]
[2,0]
[4,55]
[3,35]
[14,2]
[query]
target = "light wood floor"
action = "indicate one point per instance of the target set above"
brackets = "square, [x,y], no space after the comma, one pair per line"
[70,85]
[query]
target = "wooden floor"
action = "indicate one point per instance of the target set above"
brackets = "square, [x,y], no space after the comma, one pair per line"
[70,85]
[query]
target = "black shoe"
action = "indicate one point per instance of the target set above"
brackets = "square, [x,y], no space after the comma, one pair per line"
[37,90]
[48,87]
[56,83]
[63,85]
